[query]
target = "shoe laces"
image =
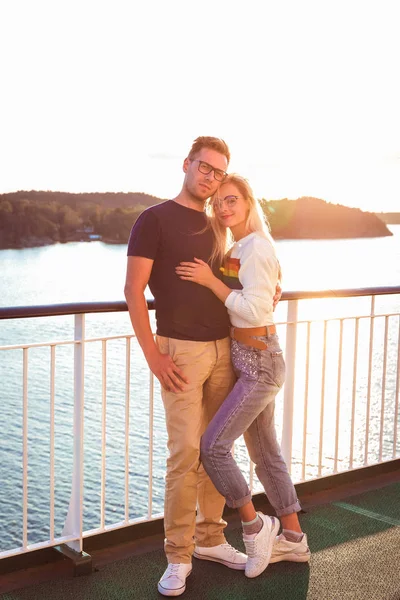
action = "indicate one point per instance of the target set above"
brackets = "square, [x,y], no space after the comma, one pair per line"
[251,548]
[173,570]
[230,548]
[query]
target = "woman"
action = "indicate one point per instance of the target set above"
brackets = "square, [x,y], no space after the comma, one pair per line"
[250,274]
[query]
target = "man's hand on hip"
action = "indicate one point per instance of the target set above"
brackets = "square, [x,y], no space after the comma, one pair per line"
[168,374]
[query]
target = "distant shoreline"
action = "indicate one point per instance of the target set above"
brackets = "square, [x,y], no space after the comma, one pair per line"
[40,218]
[43,243]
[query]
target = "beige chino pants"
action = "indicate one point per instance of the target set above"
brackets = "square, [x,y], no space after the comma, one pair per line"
[207,365]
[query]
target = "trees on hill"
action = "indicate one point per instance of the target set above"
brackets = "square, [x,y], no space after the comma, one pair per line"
[29,222]
[37,218]
[312,218]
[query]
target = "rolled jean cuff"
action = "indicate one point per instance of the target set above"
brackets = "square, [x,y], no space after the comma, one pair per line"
[238,503]
[288,510]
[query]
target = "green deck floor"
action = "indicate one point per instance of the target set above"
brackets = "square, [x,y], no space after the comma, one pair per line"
[355,547]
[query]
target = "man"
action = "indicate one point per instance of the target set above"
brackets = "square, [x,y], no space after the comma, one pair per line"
[190,357]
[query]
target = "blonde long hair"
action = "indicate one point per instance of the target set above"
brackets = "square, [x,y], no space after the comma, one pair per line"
[256,219]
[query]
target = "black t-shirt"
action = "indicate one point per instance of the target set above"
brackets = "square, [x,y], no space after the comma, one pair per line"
[169,233]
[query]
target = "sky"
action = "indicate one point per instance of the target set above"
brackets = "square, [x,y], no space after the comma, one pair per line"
[109,95]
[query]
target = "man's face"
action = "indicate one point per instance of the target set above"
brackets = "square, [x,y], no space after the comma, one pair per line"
[203,185]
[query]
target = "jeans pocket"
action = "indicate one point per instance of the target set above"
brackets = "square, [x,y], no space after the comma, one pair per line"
[278,368]
[245,359]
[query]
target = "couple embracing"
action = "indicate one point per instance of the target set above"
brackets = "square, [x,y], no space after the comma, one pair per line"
[210,263]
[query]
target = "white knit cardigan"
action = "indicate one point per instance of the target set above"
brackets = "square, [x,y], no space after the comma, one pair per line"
[258,273]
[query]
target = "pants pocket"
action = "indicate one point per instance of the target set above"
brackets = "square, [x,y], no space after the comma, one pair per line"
[278,368]
[245,359]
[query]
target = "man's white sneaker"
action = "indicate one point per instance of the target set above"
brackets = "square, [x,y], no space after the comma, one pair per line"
[173,582]
[259,546]
[224,553]
[292,551]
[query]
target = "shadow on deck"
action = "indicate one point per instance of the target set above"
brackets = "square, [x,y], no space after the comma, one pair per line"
[354,537]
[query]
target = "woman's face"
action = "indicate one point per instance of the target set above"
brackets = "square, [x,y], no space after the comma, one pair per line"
[230,207]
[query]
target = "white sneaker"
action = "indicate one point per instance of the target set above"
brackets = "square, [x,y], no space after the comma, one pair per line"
[224,553]
[292,551]
[259,546]
[173,582]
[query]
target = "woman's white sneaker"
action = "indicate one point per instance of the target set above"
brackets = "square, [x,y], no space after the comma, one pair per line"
[259,546]
[173,582]
[291,551]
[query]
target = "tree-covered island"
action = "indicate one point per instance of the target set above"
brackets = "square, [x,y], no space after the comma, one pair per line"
[37,218]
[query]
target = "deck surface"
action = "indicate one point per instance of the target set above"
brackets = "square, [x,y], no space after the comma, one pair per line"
[355,545]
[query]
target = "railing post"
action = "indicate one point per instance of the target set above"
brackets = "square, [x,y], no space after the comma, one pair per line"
[290,359]
[73,522]
[369,386]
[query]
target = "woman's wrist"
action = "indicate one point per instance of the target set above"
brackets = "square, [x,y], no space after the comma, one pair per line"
[219,288]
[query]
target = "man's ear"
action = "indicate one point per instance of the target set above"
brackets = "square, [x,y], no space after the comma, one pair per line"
[185,165]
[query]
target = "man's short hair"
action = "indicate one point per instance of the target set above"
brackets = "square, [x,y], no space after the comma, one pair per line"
[212,143]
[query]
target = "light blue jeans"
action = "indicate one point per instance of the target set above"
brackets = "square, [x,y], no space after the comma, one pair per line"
[249,410]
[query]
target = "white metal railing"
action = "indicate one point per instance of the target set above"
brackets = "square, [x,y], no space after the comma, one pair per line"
[341,402]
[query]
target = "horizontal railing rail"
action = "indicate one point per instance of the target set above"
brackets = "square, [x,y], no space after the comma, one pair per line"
[72,308]
[340,407]
[76,308]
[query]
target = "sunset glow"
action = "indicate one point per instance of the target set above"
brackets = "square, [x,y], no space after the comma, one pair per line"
[108,96]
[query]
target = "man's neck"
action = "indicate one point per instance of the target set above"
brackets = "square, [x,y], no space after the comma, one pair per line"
[186,199]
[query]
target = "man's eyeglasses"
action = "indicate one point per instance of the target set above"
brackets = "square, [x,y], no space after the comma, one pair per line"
[230,202]
[205,168]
